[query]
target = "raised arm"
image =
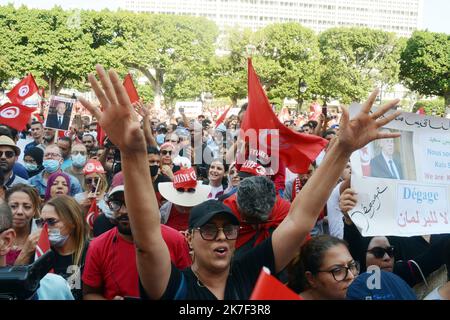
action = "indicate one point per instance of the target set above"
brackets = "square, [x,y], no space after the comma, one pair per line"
[143,110]
[353,135]
[120,122]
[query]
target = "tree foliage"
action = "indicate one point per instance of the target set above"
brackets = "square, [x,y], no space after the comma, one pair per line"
[425,64]
[287,52]
[228,72]
[173,52]
[354,60]
[59,47]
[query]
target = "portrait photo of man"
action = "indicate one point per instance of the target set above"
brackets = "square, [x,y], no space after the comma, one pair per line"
[59,115]
[387,163]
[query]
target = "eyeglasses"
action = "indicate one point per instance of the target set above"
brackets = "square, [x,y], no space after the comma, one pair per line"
[8,154]
[340,273]
[90,181]
[51,222]
[209,232]
[188,190]
[4,229]
[379,252]
[165,152]
[52,155]
[116,205]
[74,153]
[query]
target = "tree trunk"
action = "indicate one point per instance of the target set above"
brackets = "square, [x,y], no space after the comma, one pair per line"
[234,101]
[156,80]
[447,99]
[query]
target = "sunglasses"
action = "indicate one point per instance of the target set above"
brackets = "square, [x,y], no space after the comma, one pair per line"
[379,252]
[8,154]
[51,222]
[165,152]
[91,181]
[188,190]
[209,232]
[116,205]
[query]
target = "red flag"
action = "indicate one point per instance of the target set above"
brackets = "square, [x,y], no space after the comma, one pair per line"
[15,115]
[270,288]
[92,213]
[43,244]
[131,89]
[421,110]
[296,150]
[222,116]
[24,89]
[101,135]
[64,133]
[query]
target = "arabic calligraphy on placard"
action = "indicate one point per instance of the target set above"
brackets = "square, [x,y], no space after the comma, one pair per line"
[422,207]
[432,123]
[369,210]
[406,219]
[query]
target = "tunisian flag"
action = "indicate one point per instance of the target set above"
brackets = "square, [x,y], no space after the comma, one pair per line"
[43,244]
[15,115]
[270,288]
[131,89]
[296,150]
[222,116]
[92,214]
[24,89]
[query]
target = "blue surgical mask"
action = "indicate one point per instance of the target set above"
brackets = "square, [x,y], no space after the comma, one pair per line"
[30,166]
[79,160]
[56,238]
[51,165]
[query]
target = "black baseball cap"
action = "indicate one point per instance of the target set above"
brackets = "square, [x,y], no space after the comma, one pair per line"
[205,211]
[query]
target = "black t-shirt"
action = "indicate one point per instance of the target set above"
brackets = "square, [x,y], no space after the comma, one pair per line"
[183,285]
[101,225]
[161,178]
[63,266]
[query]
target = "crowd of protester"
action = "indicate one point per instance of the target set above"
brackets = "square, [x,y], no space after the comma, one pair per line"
[172,225]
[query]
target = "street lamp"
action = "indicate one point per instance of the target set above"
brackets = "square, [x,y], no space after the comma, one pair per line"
[302,87]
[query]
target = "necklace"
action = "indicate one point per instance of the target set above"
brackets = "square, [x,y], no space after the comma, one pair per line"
[199,283]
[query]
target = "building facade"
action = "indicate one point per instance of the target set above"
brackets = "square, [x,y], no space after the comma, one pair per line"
[399,16]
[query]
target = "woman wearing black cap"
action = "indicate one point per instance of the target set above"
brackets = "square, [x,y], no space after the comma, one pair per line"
[213,230]
[33,159]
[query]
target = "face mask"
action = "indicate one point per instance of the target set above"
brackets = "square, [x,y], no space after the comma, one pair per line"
[154,170]
[51,165]
[78,161]
[56,239]
[30,166]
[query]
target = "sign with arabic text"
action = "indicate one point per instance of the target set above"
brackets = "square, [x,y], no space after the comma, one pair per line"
[403,184]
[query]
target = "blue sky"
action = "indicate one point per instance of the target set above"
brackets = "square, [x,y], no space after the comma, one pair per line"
[436,12]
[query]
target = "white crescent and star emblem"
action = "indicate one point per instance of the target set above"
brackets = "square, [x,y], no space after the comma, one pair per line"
[24,90]
[10,112]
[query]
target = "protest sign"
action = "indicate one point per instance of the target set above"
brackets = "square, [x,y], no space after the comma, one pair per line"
[59,113]
[403,184]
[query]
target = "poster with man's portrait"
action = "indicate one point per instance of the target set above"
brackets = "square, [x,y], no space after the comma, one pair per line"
[59,113]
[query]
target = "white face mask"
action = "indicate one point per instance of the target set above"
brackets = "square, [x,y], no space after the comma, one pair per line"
[56,238]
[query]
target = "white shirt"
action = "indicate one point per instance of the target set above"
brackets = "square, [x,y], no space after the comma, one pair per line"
[335,222]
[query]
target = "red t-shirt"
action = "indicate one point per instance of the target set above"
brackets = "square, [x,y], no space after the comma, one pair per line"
[111,262]
[177,220]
